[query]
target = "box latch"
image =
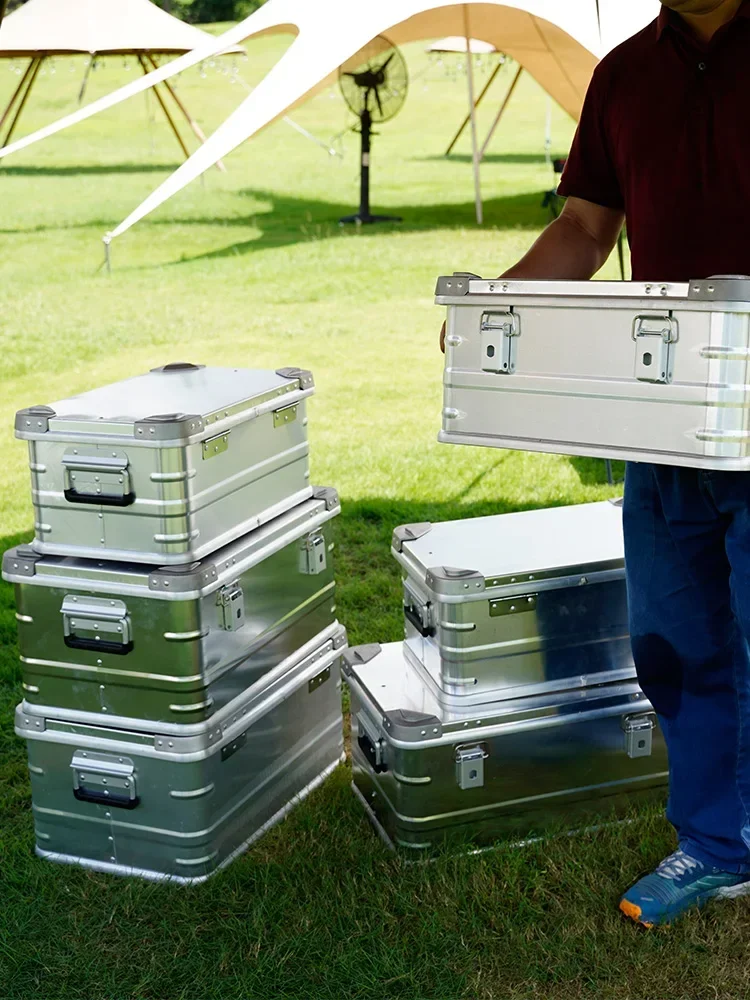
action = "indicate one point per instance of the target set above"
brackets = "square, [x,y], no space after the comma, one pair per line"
[231,603]
[654,354]
[639,732]
[312,556]
[499,331]
[470,765]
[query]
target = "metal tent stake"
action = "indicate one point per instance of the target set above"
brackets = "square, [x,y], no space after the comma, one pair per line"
[107,240]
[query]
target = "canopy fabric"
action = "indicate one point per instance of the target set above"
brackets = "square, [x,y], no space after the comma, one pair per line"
[457,43]
[557,43]
[97,27]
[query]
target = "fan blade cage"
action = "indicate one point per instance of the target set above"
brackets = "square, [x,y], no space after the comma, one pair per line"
[377,71]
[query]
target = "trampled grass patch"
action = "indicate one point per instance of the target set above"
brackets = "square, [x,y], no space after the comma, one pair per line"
[250,268]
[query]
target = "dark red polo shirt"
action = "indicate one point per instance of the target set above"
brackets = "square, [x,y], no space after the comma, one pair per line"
[665,136]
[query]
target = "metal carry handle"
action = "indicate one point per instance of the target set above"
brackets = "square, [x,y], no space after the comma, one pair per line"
[99,499]
[96,624]
[106,799]
[368,749]
[107,471]
[118,648]
[105,779]
[426,631]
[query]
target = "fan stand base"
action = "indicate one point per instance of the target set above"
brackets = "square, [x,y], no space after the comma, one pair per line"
[366,220]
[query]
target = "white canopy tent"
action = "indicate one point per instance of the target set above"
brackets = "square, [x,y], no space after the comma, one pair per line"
[44,28]
[557,43]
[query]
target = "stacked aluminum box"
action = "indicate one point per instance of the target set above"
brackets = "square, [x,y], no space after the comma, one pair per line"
[176,615]
[512,701]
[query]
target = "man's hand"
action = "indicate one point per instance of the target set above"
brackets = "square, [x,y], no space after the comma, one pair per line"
[572,248]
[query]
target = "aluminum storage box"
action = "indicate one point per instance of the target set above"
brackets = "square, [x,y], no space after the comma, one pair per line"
[173,644]
[427,774]
[132,801]
[644,372]
[169,466]
[516,604]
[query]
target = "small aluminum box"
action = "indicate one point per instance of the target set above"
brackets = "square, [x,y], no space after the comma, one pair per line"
[628,370]
[169,466]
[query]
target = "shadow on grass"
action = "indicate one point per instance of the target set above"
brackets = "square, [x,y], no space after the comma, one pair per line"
[288,220]
[487,158]
[284,220]
[89,169]
[593,471]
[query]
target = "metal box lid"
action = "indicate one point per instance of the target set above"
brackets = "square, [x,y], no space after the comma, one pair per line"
[462,288]
[512,551]
[177,402]
[23,565]
[409,713]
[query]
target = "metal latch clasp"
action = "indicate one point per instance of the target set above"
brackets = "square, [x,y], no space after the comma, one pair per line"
[231,603]
[312,556]
[654,355]
[499,331]
[470,765]
[639,732]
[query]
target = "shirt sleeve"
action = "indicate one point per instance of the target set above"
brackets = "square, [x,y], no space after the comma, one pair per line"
[590,171]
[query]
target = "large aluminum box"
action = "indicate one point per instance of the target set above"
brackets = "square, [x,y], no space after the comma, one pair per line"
[516,604]
[428,773]
[169,466]
[173,644]
[645,372]
[165,805]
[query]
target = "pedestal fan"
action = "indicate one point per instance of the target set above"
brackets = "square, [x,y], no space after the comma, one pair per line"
[373,83]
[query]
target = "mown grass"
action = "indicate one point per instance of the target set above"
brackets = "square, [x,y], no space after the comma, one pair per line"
[250,268]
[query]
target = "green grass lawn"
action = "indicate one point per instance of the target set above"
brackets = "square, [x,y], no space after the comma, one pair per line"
[250,268]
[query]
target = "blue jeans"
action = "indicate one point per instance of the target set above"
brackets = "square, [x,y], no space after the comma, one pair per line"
[687,553]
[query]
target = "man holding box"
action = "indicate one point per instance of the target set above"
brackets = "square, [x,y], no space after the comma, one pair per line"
[663,144]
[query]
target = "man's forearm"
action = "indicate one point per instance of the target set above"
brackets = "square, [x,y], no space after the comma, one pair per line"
[564,251]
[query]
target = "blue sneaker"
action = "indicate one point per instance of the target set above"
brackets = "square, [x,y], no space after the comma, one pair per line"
[677,884]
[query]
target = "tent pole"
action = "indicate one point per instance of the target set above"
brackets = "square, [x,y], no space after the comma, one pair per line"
[465,122]
[85,80]
[500,112]
[38,63]
[165,109]
[474,151]
[17,91]
[197,130]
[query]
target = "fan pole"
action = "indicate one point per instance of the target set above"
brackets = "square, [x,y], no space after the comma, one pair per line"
[363,216]
[364,175]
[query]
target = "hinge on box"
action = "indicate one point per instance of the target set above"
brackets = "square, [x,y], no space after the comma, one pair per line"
[639,732]
[470,765]
[231,603]
[215,445]
[286,415]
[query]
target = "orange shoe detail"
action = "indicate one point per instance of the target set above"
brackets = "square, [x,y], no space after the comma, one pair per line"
[634,912]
